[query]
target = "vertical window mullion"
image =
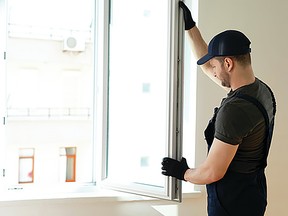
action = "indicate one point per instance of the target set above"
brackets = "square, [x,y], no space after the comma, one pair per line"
[174,188]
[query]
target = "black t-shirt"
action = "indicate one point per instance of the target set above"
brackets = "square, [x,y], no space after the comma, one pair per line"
[240,122]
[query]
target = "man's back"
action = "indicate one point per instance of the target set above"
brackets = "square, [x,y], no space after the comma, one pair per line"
[239,121]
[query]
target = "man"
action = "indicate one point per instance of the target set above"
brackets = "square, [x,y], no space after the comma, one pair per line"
[240,131]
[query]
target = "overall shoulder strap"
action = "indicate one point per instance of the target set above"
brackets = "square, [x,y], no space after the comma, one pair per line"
[273,97]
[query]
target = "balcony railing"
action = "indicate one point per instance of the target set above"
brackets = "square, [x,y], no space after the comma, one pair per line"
[49,112]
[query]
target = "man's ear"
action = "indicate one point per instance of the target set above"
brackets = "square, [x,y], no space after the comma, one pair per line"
[228,63]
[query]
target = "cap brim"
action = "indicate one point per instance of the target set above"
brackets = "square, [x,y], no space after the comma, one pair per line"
[204,59]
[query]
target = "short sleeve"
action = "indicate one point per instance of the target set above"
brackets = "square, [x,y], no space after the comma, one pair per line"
[234,121]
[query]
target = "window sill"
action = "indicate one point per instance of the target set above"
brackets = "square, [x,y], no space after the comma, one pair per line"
[90,193]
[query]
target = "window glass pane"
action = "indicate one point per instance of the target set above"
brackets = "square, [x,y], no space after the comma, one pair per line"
[25,170]
[50,88]
[67,164]
[70,151]
[138,91]
[70,174]
[26,166]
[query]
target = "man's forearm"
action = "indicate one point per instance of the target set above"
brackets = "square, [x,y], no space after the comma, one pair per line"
[201,175]
[199,48]
[198,45]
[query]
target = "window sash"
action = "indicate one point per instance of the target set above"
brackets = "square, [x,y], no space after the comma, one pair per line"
[172,187]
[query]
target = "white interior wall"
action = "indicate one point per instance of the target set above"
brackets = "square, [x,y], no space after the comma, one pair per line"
[264,22]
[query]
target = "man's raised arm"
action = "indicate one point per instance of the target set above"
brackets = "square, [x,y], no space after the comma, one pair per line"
[198,45]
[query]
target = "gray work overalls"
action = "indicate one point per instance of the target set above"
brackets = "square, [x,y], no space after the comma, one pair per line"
[240,194]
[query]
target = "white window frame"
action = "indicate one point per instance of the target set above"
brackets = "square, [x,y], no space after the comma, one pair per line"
[3,30]
[172,189]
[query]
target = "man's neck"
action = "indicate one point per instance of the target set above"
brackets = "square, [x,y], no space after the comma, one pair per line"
[242,77]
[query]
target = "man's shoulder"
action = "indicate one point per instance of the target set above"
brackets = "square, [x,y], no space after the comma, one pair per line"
[238,110]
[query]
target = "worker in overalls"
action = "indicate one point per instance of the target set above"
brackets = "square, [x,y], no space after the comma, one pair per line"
[239,133]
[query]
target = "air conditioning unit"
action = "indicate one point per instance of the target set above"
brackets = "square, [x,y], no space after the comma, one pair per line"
[73,43]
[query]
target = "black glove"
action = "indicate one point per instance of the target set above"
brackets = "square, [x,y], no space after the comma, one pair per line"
[174,168]
[189,22]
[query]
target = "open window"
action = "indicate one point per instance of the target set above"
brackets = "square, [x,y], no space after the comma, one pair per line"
[143,95]
[105,80]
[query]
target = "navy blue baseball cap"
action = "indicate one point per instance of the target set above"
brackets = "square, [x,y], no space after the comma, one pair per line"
[227,43]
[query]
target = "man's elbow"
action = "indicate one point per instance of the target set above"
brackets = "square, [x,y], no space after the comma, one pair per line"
[214,176]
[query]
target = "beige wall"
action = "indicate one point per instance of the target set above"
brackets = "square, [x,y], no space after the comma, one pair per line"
[264,21]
